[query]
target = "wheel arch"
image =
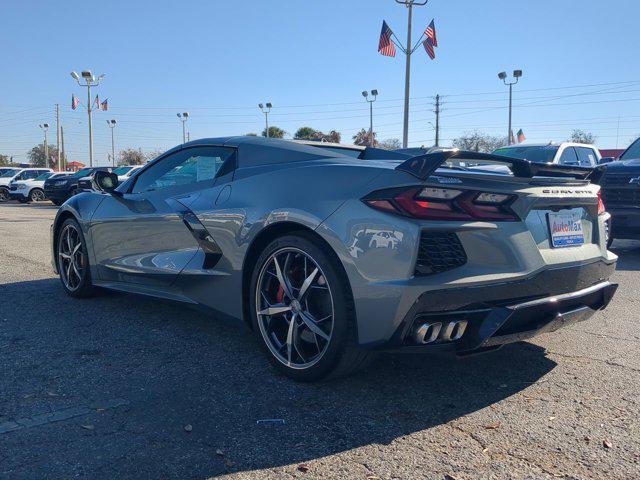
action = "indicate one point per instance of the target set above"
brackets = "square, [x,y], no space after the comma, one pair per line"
[264,238]
[62,217]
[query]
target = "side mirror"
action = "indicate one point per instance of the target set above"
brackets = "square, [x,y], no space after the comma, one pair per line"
[607,160]
[106,181]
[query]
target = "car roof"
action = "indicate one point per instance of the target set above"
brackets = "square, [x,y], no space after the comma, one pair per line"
[550,144]
[257,151]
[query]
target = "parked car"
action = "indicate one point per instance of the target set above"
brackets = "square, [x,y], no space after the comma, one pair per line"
[32,190]
[330,257]
[125,171]
[58,190]
[565,153]
[15,175]
[621,193]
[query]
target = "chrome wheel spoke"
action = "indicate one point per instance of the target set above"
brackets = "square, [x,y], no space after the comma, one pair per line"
[283,283]
[292,325]
[311,325]
[275,309]
[307,283]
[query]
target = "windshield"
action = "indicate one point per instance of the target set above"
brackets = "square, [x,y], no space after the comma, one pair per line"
[632,152]
[9,173]
[44,176]
[535,154]
[122,170]
[81,173]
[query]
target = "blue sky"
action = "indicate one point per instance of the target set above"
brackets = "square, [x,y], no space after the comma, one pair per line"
[218,59]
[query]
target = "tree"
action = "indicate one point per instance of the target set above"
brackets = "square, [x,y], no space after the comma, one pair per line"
[251,134]
[131,156]
[390,144]
[333,136]
[5,161]
[580,136]
[307,133]
[364,138]
[153,154]
[478,142]
[274,132]
[36,156]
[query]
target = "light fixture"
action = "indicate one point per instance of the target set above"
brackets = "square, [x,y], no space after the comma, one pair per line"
[75,75]
[517,73]
[502,75]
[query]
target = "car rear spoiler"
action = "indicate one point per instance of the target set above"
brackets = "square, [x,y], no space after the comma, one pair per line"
[422,166]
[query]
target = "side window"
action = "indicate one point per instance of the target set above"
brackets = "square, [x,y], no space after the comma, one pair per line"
[32,174]
[569,157]
[21,176]
[586,157]
[184,170]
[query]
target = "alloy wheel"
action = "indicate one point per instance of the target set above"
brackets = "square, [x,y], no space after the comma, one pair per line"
[294,307]
[4,195]
[37,196]
[70,257]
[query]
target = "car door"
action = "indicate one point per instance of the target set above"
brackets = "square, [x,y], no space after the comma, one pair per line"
[145,235]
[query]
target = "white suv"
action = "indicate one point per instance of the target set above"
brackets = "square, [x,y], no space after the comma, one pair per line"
[32,190]
[15,175]
[567,153]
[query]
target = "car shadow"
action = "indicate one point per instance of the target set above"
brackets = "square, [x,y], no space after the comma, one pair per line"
[174,367]
[628,252]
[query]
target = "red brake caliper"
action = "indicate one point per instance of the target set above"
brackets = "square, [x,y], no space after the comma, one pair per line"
[280,295]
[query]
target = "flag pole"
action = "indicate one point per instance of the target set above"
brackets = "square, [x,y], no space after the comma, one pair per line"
[407,79]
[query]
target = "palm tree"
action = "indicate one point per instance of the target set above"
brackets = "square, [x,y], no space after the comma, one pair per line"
[363,137]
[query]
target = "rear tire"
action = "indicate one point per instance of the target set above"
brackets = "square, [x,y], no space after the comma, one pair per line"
[72,260]
[37,195]
[313,356]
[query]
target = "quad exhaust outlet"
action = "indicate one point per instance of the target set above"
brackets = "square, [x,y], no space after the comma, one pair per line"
[444,332]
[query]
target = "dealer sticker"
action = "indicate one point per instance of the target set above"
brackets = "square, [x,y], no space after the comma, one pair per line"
[566,229]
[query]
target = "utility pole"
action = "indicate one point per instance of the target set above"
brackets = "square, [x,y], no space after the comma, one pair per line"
[503,76]
[365,94]
[407,76]
[266,109]
[63,156]
[45,128]
[184,116]
[112,126]
[58,135]
[437,121]
[90,81]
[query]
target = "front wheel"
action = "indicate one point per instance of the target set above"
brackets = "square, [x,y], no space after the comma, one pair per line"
[302,311]
[72,260]
[4,195]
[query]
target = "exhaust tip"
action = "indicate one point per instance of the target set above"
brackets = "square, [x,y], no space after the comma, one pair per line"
[427,333]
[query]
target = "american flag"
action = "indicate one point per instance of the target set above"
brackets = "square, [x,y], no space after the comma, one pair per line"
[386,46]
[521,137]
[428,46]
[96,102]
[105,104]
[430,32]
[75,101]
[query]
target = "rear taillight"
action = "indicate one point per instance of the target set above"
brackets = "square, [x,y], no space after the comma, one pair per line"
[601,207]
[443,204]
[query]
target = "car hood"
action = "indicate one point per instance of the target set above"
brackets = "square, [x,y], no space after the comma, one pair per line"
[624,166]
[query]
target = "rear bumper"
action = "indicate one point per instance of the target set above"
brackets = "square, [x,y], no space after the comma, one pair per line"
[496,314]
[53,194]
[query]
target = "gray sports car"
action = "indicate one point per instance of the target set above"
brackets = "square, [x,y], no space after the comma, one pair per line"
[331,253]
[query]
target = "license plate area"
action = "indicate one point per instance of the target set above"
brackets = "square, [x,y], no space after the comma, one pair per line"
[566,229]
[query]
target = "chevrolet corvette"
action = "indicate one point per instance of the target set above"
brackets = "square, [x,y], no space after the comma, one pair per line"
[331,253]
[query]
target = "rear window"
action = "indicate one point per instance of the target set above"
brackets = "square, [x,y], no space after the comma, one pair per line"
[632,152]
[537,154]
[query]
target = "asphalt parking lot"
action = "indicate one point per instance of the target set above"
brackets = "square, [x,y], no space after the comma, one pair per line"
[119,386]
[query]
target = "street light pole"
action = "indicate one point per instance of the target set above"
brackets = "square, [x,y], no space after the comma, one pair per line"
[184,116]
[45,128]
[503,76]
[407,76]
[365,94]
[112,126]
[266,109]
[91,81]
